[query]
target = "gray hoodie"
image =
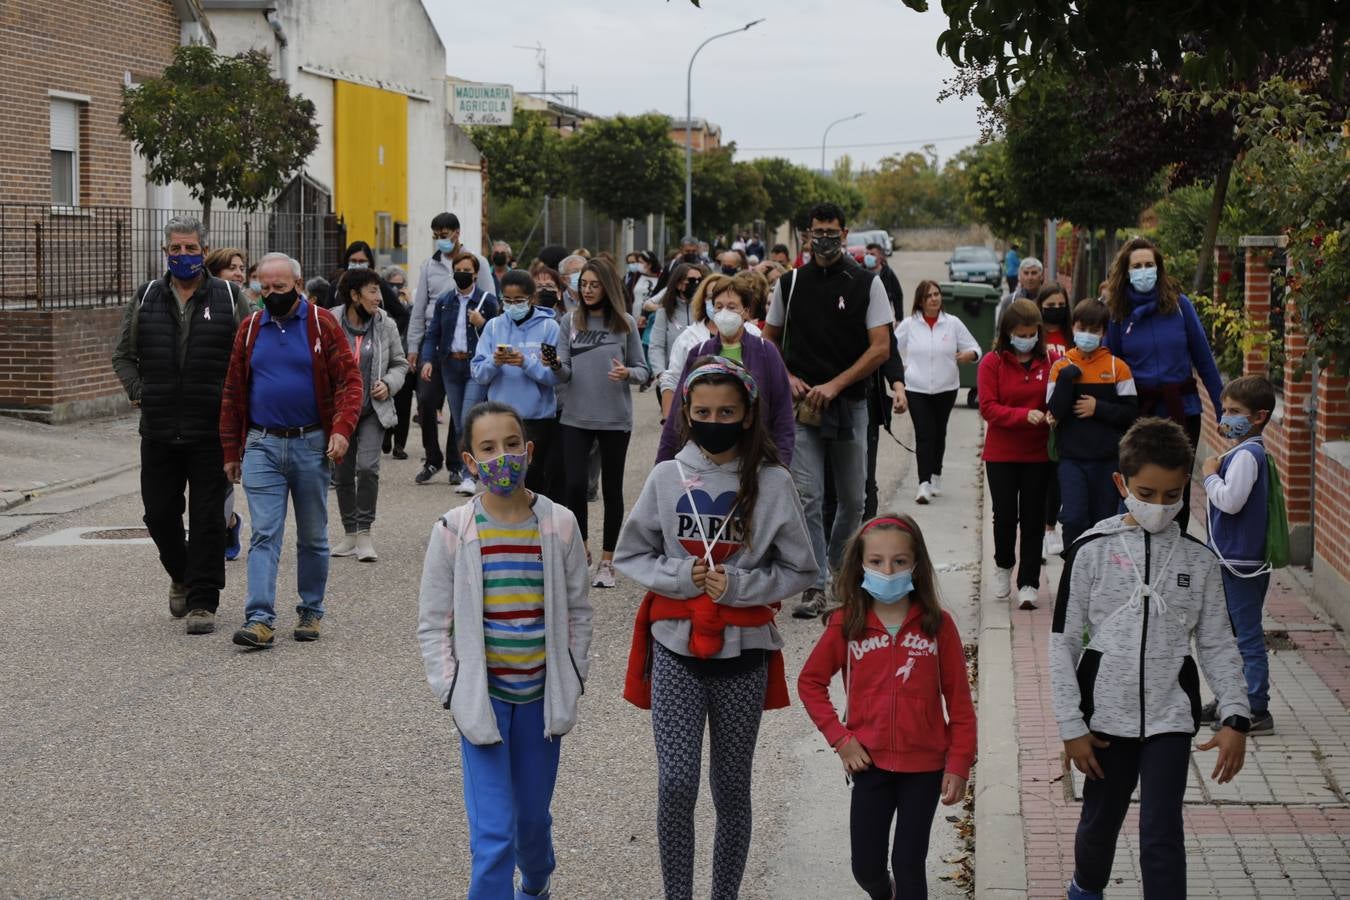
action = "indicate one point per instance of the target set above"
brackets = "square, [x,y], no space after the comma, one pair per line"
[450,620]
[662,539]
[587,358]
[1129,605]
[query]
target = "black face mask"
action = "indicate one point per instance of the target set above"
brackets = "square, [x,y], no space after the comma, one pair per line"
[691,288]
[499,259]
[690,258]
[362,314]
[464,279]
[548,299]
[729,270]
[278,305]
[1055,315]
[715,437]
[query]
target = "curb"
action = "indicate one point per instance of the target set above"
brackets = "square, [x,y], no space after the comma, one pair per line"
[12,499]
[1000,842]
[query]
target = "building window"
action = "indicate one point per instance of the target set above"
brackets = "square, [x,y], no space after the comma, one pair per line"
[65,146]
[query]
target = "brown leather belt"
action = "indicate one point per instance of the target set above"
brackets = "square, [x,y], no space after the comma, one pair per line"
[460,355]
[297,432]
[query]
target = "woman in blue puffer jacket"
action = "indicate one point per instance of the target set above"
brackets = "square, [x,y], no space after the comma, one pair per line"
[1155,329]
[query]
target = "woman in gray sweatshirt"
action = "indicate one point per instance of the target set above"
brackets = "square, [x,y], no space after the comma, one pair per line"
[719,539]
[600,351]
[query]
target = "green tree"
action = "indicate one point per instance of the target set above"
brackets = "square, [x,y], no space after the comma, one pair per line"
[909,191]
[786,183]
[726,193]
[825,189]
[525,160]
[221,125]
[626,166]
[991,192]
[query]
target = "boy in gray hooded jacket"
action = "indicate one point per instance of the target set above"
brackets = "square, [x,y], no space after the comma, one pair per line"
[1134,593]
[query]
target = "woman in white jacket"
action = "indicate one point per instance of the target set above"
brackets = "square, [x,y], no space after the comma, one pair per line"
[932,344]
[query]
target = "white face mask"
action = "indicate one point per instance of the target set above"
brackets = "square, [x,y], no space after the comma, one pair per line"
[728,322]
[1152,517]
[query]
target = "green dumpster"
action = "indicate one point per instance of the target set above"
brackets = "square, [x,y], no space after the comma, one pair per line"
[973,304]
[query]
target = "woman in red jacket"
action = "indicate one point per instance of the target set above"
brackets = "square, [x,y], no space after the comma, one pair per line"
[1012,389]
[902,658]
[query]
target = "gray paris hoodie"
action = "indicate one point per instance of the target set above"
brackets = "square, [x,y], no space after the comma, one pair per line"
[1130,603]
[668,526]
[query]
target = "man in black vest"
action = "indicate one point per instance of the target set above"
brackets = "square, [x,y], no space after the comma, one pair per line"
[172,356]
[832,320]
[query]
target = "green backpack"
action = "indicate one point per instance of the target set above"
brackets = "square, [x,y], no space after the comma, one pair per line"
[1277,518]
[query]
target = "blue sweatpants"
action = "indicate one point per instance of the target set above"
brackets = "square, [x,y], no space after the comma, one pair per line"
[508,788]
[1246,600]
[1087,495]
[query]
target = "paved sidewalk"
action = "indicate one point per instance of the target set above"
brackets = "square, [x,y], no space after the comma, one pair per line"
[40,459]
[1280,829]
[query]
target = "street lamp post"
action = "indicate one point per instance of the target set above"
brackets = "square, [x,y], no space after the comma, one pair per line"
[689,126]
[826,136]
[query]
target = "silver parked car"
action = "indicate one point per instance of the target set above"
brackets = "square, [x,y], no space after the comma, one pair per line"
[975,264]
[871,236]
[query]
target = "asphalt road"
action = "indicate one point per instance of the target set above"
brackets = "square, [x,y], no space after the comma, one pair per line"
[138,761]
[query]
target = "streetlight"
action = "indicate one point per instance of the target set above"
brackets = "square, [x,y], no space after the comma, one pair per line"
[689,127]
[827,134]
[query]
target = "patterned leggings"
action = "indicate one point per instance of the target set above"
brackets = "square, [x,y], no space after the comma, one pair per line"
[732,706]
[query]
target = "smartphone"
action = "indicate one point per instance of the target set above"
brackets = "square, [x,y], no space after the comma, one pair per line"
[548,350]
[504,348]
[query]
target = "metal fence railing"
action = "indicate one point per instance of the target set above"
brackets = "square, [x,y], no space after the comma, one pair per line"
[65,257]
[572,223]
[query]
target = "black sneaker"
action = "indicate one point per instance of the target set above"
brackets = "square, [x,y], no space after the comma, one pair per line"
[1209,713]
[1262,723]
[400,453]
[812,605]
[428,472]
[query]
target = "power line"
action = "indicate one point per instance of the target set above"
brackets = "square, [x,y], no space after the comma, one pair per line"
[933,140]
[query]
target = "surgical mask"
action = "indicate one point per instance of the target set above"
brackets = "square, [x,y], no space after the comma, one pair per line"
[518,310]
[1086,341]
[827,248]
[255,287]
[278,304]
[445,245]
[633,268]
[499,259]
[548,298]
[870,261]
[1024,344]
[574,282]
[728,322]
[715,437]
[464,279]
[1152,517]
[1235,427]
[1055,315]
[1145,279]
[502,475]
[357,265]
[888,589]
[186,265]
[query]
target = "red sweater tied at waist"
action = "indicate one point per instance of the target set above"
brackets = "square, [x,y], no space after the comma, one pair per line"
[709,620]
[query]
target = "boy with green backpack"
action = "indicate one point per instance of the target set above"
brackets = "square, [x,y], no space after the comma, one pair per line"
[1248,531]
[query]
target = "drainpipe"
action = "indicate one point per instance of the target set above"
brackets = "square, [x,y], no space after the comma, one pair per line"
[283,58]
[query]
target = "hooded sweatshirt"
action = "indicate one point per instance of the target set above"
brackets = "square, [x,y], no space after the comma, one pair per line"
[587,357]
[528,389]
[665,535]
[1163,350]
[1129,605]
[894,691]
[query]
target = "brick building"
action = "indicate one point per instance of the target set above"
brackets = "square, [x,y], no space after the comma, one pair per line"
[703,135]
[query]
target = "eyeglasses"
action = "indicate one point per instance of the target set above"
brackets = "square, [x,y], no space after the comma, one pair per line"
[817,233]
[589,286]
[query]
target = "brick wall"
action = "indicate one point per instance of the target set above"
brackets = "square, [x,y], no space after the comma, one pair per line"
[55,365]
[81,49]
[1331,507]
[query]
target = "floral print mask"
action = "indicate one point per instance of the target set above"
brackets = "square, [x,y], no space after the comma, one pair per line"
[503,474]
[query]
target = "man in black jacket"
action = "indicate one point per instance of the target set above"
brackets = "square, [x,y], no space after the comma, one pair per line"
[172,356]
[875,262]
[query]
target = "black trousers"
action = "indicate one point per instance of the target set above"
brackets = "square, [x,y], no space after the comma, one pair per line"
[880,797]
[1018,494]
[1053,500]
[930,414]
[544,434]
[198,468]
[403,407]
[577,443]
[430,399]
[1158,765]
[1192,426]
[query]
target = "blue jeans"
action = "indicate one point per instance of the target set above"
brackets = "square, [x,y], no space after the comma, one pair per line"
[848,462]
[508,788]
[273,469]
[1087,495]
[462,393]
[1246,600]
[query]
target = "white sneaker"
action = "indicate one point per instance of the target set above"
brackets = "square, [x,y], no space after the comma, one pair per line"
[604,575]
[1053,545]
[344,547]
[468,487]
[1002,582]
[1026,597]
[925,494]
[365,547]
[935,485]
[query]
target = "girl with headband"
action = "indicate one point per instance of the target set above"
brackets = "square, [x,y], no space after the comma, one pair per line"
[719,540]
[902,658]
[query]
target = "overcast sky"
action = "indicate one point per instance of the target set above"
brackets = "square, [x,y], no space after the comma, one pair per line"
[776,86]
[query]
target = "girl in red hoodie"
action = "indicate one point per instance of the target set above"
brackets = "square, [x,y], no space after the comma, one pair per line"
[902,658]
[1012,386]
